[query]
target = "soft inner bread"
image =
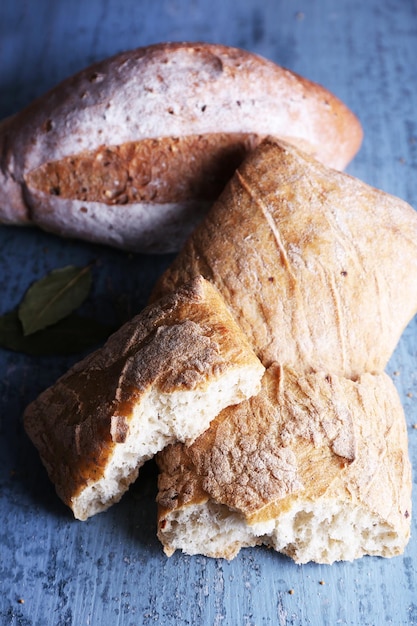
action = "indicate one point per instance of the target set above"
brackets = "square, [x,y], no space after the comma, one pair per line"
[317,267]
[322,532]
[161,378]
[315,466]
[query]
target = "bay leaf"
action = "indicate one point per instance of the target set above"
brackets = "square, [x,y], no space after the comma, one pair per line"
[54,297]
[70,335]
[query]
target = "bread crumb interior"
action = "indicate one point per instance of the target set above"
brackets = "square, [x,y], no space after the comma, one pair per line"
[322,531]
[157,421]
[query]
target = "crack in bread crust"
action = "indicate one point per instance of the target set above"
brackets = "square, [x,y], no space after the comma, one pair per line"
[156,170]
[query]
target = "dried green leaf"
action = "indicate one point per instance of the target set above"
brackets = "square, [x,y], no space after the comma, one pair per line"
[71,335]
[54,297]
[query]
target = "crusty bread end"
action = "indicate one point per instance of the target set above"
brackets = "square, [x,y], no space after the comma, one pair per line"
[161,378]
[315,466]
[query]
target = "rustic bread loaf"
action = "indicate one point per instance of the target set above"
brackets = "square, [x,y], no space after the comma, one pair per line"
[161,378]
[132,150]
[315,466]
[318,268]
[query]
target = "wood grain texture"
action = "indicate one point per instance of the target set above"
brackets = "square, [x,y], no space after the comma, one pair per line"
[111,570]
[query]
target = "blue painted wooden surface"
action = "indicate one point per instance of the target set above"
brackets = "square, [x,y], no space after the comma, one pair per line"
[111,570]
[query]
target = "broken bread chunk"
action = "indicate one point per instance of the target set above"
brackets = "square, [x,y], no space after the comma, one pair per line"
[161,378]
[317,267]
[314,466]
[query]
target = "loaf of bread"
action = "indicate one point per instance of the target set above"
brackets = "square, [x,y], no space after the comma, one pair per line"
[315,466]
[160,379]
[131,151]
[319,271]
[318,268]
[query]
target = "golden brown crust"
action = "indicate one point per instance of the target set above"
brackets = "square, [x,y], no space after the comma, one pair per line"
[307,436]
[318,268]
[161,93]
[308,261]
[179,343]
[128,173]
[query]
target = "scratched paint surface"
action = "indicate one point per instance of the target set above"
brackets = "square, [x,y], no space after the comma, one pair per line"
[111,570]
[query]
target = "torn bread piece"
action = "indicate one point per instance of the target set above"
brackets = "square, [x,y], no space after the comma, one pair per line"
[315,466]
[317,267]
[161,378]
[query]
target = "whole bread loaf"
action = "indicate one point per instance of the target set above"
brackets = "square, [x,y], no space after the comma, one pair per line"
[318,268]
[315,466]
[132,150]
[161,378]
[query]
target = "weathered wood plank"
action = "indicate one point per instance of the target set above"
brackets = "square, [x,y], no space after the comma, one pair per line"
[111,570]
